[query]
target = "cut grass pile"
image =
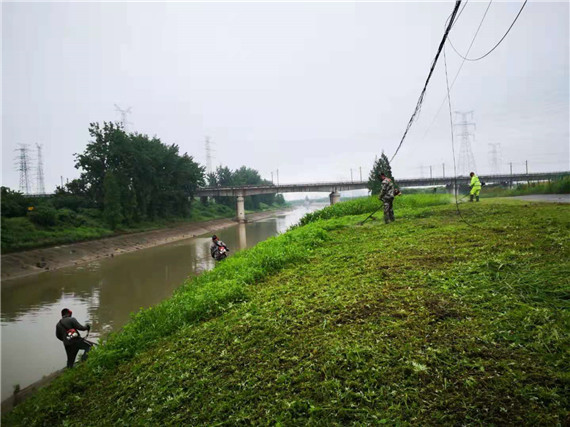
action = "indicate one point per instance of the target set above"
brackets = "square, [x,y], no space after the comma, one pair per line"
[424,321]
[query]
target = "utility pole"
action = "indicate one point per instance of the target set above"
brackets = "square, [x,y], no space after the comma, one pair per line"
[430,173]
[466,158]
[494,154]
[526,166]
[351,175]
[360,167]
[40,172]
[209,150]
[124,112]
[22,165]
[443,166]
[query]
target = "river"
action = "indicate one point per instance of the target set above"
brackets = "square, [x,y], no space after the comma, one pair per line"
[104,293]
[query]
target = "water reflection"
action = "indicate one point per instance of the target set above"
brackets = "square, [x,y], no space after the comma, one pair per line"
[104,293]
[242,240]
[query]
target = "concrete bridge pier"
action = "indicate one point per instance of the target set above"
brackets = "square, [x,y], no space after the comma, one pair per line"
[334,197]
[240,209]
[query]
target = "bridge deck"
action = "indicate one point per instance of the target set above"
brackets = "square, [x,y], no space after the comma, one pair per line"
[351,185]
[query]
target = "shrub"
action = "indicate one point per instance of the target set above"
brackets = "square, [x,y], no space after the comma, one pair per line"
[44,216]
[14,203]
[71,201]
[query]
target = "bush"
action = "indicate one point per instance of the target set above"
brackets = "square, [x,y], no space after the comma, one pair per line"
[70,201]
[14,203]
[91,213]
[44,216]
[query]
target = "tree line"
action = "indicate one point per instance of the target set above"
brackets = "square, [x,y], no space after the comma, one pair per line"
[130,178]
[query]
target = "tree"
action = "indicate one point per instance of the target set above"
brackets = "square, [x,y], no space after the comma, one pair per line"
[152,178]
[112,200]
[381,165]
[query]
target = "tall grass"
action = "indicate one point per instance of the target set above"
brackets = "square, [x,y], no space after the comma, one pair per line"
[370,204]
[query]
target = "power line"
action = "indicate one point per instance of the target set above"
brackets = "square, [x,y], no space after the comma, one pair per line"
[459,69]
[455,188]
[458,15]
[421,98]
[498,43]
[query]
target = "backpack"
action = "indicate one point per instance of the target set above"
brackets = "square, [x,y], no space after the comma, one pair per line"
[70,334]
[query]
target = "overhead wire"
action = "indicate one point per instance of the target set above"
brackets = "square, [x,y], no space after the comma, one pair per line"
[455,188]
[459,69]
[422,94]
[496,45]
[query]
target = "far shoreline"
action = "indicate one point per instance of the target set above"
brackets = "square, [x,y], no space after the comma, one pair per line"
[17,265]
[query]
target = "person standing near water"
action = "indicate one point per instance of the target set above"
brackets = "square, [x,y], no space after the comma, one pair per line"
[218,249]
[67,331]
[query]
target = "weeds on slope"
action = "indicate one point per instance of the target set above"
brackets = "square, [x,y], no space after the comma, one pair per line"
[422,322]
[367,205]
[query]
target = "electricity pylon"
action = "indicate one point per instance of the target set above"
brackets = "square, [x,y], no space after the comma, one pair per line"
[466,161]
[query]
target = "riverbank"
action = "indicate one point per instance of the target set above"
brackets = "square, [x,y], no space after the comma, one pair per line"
[433,322]
[36,261]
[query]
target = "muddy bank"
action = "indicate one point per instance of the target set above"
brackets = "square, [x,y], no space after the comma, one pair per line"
[37,261]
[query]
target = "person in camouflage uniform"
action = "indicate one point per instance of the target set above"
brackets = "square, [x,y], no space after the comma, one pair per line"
[387,195]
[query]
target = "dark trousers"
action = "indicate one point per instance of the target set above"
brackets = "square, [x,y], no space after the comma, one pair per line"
[73,348]
[388,210]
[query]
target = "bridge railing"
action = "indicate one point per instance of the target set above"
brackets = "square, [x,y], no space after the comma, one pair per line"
[409,181]
[308,184]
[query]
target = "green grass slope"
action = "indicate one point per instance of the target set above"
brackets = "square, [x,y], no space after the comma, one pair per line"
[424,321]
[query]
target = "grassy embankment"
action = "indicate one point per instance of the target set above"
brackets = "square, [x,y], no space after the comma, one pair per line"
[20,233]
[424,321]
[559,186]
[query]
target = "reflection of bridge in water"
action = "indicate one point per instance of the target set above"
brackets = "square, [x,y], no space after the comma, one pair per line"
[334,188]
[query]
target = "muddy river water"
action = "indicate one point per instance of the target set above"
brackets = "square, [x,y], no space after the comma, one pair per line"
[104,293]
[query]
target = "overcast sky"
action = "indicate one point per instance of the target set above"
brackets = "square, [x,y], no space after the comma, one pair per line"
[311,89]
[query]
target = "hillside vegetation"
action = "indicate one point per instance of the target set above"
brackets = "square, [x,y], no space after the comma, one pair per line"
[424,321]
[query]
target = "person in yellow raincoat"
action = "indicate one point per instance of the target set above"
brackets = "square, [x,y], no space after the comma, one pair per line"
[475,186]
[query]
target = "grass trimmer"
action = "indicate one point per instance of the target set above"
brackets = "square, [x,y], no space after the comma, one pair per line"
[370,216]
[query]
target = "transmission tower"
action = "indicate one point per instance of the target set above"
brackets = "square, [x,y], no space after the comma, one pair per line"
[209,150]
[466,159]
[40,187]
[495,157]
[22,165]
[124,113]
